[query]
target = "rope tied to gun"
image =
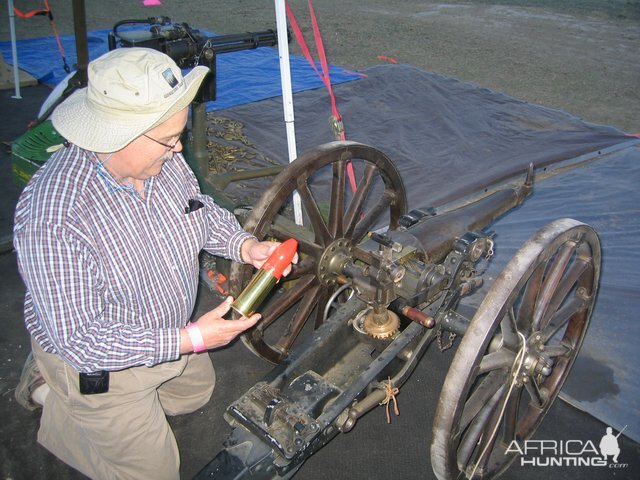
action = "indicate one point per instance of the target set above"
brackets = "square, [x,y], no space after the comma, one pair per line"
[390,392]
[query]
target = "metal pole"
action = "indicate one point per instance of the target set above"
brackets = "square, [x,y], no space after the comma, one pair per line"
[287,95]
[82,48]
[14,50]
[199,143]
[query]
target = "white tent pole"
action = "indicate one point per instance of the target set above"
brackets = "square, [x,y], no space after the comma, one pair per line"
[287,95]
[14,49]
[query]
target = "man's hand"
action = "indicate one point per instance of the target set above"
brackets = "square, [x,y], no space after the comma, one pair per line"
[256,253]
[216,331]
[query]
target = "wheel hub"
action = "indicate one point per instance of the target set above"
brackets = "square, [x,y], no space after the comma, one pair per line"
[333,259]
[536,362]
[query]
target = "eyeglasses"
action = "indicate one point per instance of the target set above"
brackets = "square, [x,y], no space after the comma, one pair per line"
[166,145]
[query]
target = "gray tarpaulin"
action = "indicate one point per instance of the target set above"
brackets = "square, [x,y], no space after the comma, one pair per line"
[447,137]
[605,195]
[450,138]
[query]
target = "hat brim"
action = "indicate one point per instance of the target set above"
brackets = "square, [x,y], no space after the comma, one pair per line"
[81,124]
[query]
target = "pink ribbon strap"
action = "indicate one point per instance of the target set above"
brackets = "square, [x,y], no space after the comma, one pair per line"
[195,335]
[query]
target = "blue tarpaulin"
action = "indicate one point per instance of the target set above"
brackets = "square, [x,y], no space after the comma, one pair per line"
[242,77]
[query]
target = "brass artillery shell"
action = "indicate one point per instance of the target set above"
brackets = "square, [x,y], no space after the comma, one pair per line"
[255,293]
[263,281]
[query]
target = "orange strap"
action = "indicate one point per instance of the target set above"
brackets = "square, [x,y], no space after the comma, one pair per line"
[388,59]
[47,11]
[33,13]
[324,75]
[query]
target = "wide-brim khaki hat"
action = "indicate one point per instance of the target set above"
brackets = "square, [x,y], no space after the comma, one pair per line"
[129,92]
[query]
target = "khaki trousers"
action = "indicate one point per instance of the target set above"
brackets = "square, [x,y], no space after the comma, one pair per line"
[121,434]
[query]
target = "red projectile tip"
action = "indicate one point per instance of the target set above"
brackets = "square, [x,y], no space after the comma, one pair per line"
[281,258]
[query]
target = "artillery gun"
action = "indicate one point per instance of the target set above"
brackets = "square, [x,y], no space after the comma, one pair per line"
[374,287]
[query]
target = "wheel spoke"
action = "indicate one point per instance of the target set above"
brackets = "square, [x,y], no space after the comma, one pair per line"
[369,218]
[306,266]
[568,281]
[336,212]
[509,329]
[278,235]
[472,436]
[320,229]
[499,359]
[560,350]
[534,392]
[355,207]
[481,395]
[304,245]
[551,282]
[235,289]
[511,416]
[279,307]
[299,319]
[323,298]
[562,316]
[529,298]
[488,440]
[310,248]
[282,229]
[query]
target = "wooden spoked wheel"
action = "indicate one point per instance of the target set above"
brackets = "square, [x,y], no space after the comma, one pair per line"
[517,352]
[335,219]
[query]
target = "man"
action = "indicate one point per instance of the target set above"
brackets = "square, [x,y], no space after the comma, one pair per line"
[108,234]
[609,445]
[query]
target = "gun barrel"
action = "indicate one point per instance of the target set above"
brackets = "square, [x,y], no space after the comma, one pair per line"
[620,432]
[437,234]
[241,41]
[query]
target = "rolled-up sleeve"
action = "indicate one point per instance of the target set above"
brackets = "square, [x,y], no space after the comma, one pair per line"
[226,236]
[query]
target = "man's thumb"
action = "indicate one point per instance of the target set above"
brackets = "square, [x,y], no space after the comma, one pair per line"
[224,307]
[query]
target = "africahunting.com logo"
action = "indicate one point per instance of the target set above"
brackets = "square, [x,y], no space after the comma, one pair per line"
[570,453]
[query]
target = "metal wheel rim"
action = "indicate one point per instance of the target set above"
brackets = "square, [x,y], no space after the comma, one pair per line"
[450,446]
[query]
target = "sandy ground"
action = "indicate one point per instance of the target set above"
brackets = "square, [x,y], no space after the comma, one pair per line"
[580,56]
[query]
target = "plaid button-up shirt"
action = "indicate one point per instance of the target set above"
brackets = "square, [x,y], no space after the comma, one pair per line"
[112,277]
